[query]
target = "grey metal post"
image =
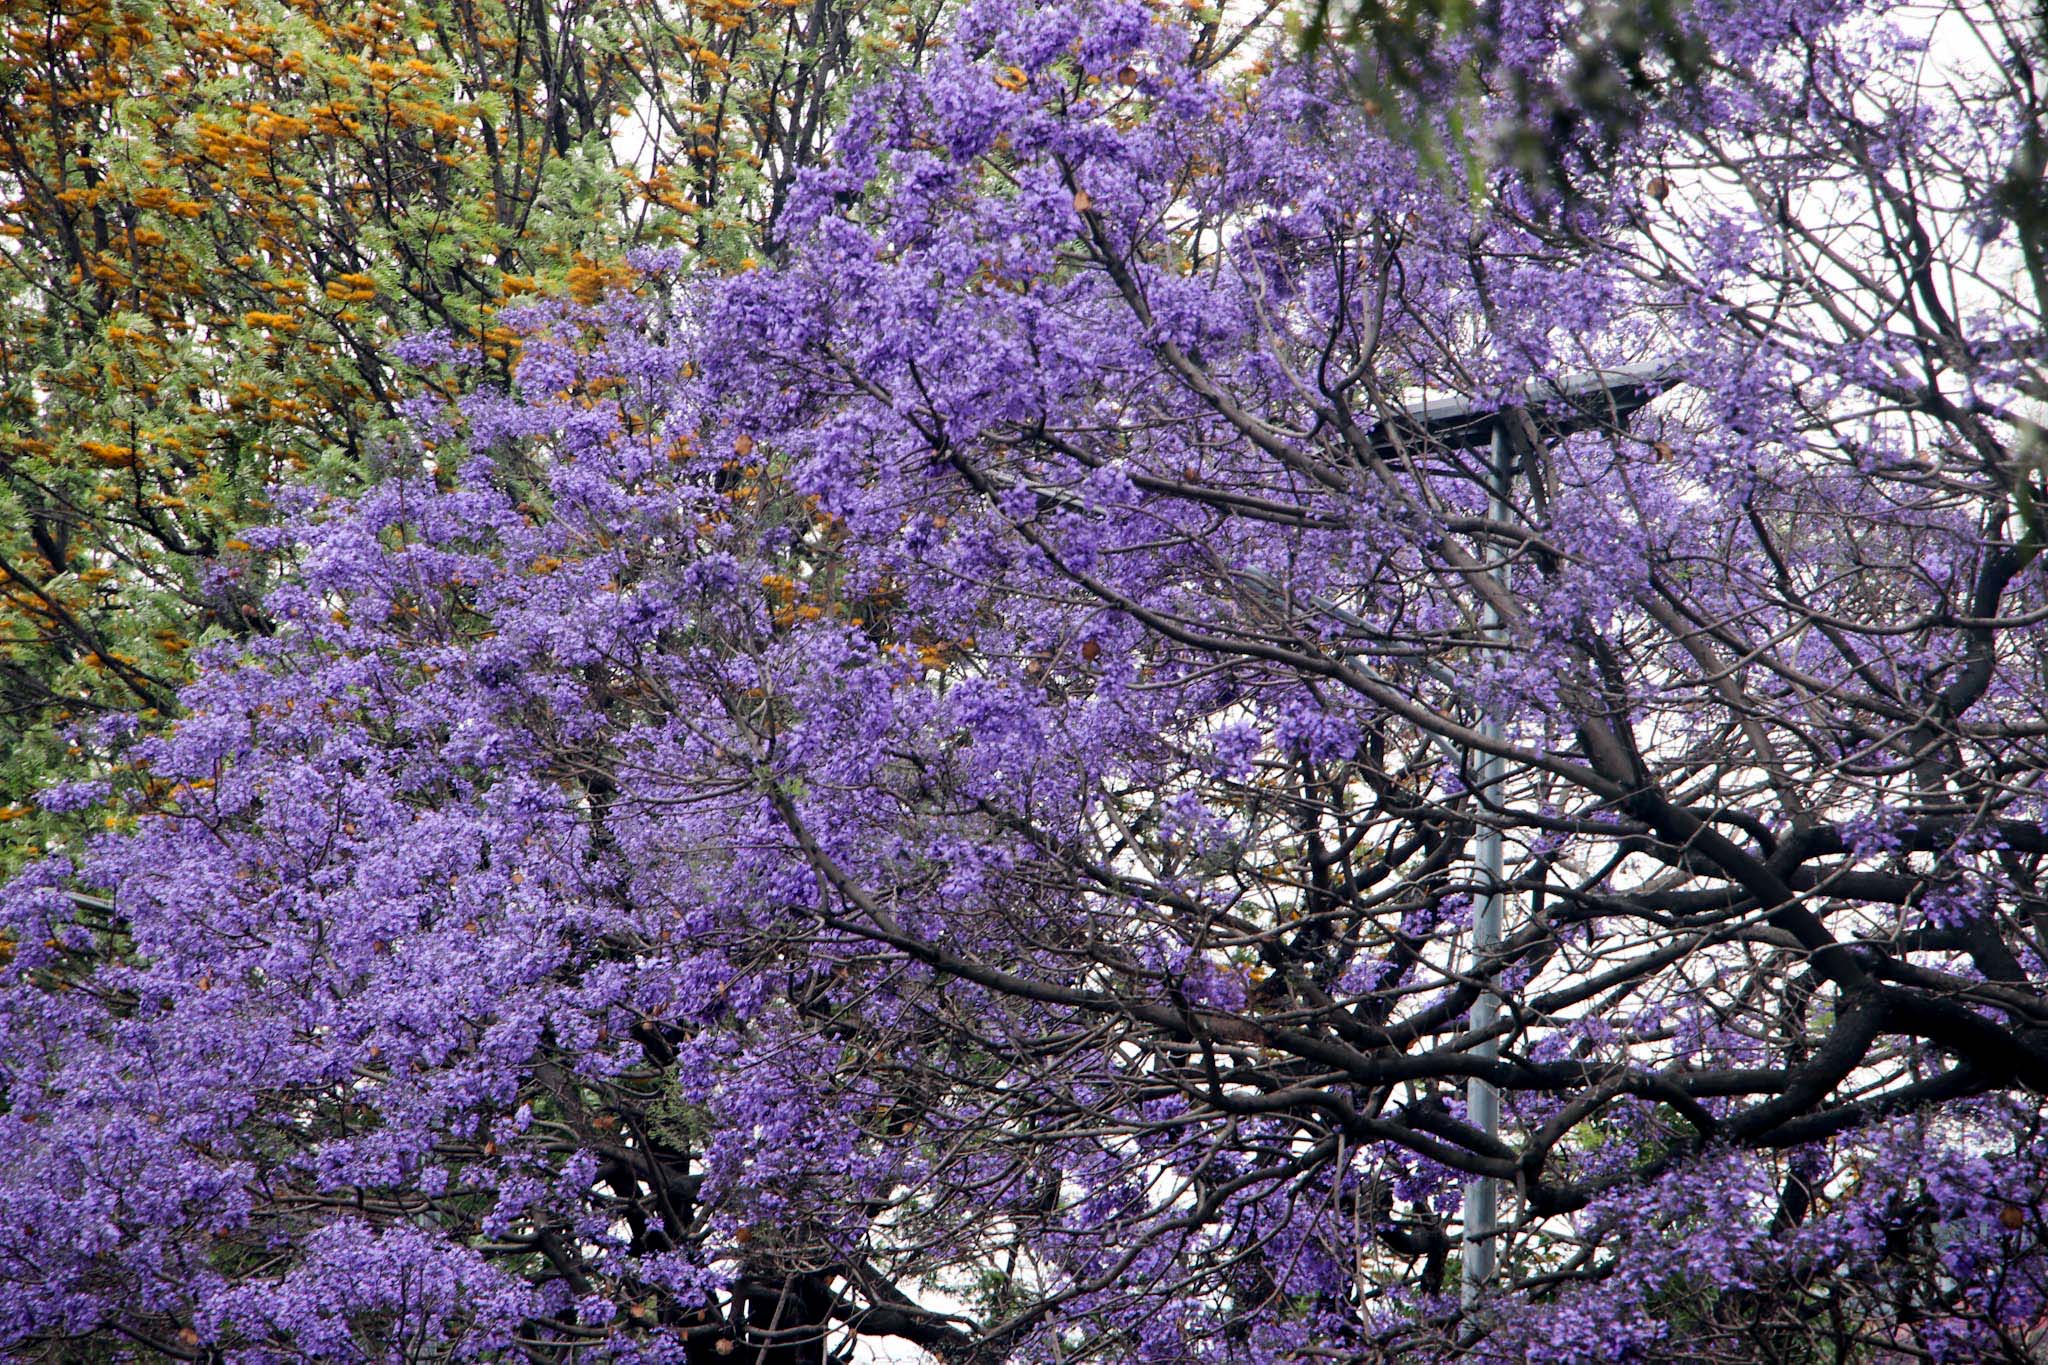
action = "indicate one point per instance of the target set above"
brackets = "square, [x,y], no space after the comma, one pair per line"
[1593,399]
[1482,1102]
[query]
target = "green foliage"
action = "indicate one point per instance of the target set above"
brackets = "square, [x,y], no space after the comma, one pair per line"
[1624,56]
[215,217]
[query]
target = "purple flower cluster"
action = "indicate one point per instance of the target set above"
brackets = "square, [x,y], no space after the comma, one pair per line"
[928,790]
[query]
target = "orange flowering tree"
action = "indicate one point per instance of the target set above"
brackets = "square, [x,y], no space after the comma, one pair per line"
[215,216]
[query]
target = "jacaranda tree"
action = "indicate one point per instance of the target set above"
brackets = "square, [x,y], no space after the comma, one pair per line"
[931,790]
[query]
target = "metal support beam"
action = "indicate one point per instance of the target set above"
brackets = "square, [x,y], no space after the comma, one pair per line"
[1555,409]
[1489,770]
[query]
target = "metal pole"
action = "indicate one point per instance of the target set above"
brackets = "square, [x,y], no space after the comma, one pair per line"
[1482,1102]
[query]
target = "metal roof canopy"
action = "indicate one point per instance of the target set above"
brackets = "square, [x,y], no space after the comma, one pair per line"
[1559,407]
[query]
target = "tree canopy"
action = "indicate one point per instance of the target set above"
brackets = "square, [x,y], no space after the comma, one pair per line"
[927,788]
